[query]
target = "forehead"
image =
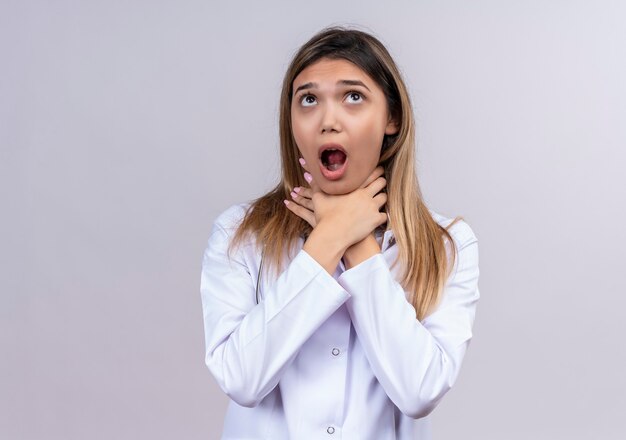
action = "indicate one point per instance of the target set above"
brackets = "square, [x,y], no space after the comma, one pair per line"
[329,70]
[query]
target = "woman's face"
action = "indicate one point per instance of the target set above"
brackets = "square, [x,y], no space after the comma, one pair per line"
[337,106]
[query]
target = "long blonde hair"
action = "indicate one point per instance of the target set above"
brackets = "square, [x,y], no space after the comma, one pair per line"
[420,239]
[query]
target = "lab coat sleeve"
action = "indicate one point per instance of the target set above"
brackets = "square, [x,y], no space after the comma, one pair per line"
[415,362]
[249,345]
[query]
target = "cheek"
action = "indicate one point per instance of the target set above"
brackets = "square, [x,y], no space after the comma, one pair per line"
[370,140]
[296,131]
[305,141]
[304,150]
[299,130]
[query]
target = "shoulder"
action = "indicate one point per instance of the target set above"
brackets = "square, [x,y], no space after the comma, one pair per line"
[230,218]
[460,231]
[223,232]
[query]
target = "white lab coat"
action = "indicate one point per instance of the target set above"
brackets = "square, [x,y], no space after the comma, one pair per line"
[330,357]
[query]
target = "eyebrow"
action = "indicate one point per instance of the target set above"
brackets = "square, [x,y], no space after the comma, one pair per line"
[343,82]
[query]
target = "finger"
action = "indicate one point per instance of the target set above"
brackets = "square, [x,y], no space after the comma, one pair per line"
[309,178]
[303,191]
[380,199]
[306,169]
[301,212]
[303,163]
[376,186]
[378,171]
[303,201]
[383,218]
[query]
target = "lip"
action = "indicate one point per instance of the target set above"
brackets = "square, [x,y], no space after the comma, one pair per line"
[337,174]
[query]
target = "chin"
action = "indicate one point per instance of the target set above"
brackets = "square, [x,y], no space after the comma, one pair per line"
[337,187]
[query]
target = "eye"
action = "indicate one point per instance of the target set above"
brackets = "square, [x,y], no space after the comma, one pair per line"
[355,96]
[307,100]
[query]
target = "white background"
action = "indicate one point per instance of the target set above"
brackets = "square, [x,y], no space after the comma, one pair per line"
[126,127]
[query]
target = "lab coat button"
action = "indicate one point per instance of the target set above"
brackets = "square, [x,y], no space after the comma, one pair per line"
[336,351]
[330,430]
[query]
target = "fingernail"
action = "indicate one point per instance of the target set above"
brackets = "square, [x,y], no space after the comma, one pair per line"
[308,177]
[297,189]
[302,162]
[293,194]
[286,202]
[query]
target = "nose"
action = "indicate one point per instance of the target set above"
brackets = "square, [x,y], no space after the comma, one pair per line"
[330,120]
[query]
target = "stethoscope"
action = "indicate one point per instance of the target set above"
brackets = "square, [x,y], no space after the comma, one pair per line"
[258,277]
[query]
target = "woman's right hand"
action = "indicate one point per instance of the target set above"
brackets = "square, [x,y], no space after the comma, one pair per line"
[349,218]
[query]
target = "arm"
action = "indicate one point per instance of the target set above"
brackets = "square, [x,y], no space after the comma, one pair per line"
[361,251]
[415,362]
[249,345]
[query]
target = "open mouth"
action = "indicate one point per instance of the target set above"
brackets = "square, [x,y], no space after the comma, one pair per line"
[333,159]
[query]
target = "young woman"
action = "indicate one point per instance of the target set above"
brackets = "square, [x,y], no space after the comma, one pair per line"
[338,305]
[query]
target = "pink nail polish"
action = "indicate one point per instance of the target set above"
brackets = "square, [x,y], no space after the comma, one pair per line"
[302,162]
[297,189]
[286,202]
[293,194]
[308,177]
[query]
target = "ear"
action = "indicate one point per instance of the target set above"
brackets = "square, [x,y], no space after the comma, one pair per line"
[392,127]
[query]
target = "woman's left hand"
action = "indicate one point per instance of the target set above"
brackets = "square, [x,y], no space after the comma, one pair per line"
[302,195]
